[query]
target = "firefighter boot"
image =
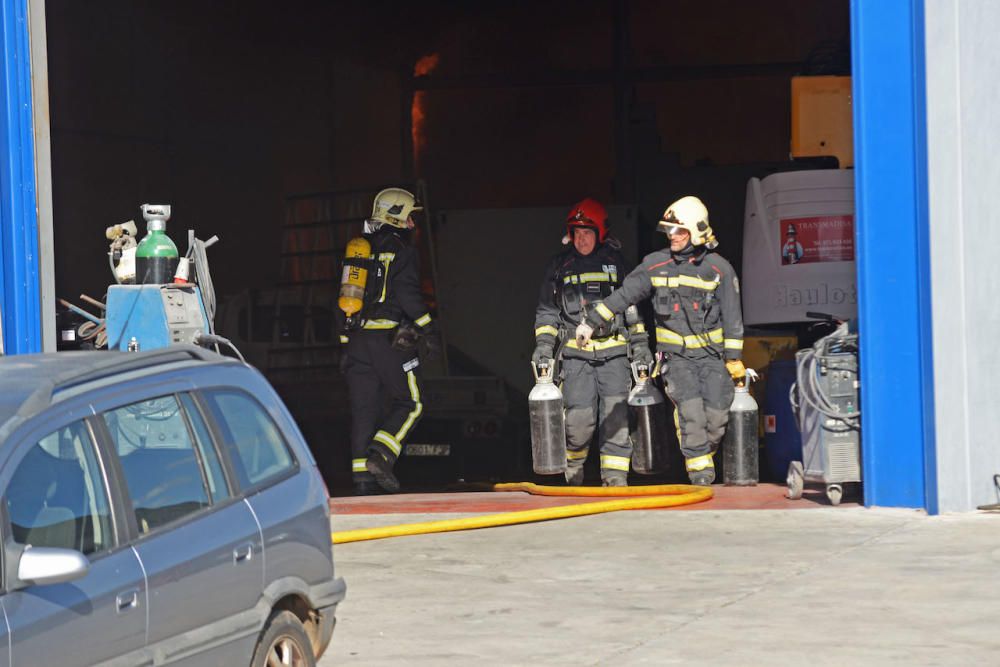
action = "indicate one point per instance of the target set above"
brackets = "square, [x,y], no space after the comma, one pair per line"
[574,476]
[615,478]
[702,477]
[367,487]
[381,468]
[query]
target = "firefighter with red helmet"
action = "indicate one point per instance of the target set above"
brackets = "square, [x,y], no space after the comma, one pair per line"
[596,377]
[699,328]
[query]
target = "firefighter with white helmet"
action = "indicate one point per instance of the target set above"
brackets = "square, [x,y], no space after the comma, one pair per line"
[380,358]
[596,376]
[699,328]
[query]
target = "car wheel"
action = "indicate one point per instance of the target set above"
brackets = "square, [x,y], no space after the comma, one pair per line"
[283,642]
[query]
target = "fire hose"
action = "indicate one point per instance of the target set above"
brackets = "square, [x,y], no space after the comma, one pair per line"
[626,498]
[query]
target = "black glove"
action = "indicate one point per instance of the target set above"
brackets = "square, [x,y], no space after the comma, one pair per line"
[642,356]
[544,352]
[430,345]
[406,337]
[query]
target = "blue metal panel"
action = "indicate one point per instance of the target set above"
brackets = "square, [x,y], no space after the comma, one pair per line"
[893,256]
[19,286]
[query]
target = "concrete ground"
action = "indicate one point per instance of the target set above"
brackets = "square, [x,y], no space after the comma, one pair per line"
[830,586]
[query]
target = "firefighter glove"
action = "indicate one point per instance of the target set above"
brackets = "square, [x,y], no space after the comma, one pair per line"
[543,354]
[405,338]
[736,369]
[583,334]
[641,355]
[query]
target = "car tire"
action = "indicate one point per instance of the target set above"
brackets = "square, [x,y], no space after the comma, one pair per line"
[283,642]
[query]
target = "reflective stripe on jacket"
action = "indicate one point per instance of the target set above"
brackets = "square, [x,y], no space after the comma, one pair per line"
[575,286]
[696,302]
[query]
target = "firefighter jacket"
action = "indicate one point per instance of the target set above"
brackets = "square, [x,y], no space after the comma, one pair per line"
[574,285]
[696,303]
[392,292]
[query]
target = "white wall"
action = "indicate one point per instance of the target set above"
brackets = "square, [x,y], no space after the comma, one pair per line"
[963,96]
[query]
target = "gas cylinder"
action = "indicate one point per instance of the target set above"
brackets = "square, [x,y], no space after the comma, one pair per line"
[649,447]
[156,255]
[548,425]
[740,445]
[354,277]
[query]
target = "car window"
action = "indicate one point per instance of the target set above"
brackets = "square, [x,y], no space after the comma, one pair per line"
[56,496]
[203,441]
[258,450]
[159,460]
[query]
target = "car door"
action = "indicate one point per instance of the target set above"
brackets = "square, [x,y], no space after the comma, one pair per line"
[4,637]
[289,504]
[56,494]
[198,542]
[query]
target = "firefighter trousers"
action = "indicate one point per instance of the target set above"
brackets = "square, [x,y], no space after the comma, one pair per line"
[385,389]
[702,392]
[595,394]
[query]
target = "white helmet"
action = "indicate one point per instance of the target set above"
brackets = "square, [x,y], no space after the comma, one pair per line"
[689,213]
[393,207]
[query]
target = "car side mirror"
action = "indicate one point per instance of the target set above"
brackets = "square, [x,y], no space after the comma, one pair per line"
[47,565]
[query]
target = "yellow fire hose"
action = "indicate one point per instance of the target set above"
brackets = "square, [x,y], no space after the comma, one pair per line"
[628,498]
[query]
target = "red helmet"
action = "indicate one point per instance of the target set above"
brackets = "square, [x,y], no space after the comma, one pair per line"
[589,214]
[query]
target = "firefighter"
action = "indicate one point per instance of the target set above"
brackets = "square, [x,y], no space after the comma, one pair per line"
[595,376]
[381,359]
[699,329]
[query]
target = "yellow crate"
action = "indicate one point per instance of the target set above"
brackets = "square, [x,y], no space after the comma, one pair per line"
[822,123]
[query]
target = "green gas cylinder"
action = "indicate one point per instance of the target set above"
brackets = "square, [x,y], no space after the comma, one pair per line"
[156,255]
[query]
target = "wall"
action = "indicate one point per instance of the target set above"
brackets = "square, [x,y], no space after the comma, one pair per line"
[963,173]
[221,109]
[487,297]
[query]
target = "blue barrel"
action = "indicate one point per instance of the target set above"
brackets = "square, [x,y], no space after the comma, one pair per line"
[782,441]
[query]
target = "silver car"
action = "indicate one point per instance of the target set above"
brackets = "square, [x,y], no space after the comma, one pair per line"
[158,508]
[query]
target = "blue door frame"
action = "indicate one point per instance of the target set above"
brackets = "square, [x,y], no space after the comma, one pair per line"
[20,296]
[892,236]
[890,129]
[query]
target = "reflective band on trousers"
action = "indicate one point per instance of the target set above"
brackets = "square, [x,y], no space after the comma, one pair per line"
[692,341]
[380,324]
[358,465]
[411,381]
[604,311]
[572,455]
[610,462]
[685,281]
[699,463]
[546,329]
[614,341]
[388,441]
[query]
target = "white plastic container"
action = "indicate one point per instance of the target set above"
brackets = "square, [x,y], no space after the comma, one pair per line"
[785,275]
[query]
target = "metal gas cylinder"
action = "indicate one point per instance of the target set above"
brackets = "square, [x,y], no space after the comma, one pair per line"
[156,255]
[650,447]
[548,423]
[740,445]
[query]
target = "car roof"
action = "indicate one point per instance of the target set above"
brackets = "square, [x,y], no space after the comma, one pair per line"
[29,381]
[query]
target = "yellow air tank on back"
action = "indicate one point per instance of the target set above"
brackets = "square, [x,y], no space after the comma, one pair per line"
[354,277]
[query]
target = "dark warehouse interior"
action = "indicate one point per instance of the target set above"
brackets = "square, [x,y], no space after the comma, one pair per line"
[243,114]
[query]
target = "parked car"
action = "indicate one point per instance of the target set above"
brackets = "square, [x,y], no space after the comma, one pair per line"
[158,508]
